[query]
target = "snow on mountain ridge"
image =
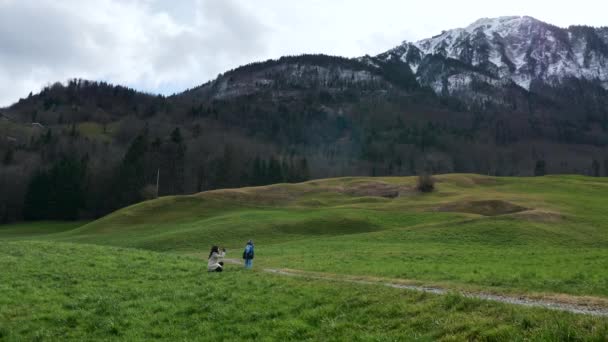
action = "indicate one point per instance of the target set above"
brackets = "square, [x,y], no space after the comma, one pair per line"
[520,49]
[448,43]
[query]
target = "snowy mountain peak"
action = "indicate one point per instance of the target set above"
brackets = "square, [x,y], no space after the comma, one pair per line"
[519,49]
[483,34]
[492,24]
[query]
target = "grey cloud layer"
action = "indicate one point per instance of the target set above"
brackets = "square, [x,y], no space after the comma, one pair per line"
[126,42]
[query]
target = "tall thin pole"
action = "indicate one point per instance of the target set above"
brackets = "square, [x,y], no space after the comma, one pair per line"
[157,181]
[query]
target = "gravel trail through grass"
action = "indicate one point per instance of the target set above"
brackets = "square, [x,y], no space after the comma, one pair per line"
[568,303]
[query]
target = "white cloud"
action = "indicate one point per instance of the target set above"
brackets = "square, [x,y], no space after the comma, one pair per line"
[162,46]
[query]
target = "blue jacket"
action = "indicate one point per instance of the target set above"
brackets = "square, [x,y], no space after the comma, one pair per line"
[248,252]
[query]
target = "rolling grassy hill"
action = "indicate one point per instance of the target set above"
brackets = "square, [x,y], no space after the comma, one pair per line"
[545,235]
[513,234]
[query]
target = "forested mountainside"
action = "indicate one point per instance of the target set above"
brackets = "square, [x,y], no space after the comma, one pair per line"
[448,104]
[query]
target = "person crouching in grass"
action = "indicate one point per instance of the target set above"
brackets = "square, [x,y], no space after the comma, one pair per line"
[215,263]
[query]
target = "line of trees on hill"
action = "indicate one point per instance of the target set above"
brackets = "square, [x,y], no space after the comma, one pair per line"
[70,189]
[57,193]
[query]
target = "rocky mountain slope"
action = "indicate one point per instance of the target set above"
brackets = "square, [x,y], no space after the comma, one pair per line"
[499,51]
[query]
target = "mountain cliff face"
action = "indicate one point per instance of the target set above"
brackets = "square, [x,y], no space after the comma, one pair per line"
[290,77]
[495,52]
[285,75]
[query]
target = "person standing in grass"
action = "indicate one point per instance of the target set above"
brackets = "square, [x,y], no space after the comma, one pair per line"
[215,263]
[248,255]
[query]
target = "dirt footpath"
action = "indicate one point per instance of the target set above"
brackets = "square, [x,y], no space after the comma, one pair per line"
[568,303]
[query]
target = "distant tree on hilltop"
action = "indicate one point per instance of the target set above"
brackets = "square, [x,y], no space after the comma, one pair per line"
[426,183]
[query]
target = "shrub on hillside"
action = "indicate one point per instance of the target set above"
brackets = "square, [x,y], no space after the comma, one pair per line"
[426,183]
[148,192]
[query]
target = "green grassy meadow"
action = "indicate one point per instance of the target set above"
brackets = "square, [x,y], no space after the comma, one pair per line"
[137,274]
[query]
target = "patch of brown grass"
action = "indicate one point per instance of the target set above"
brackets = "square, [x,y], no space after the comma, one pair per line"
[375,189]
[485,207]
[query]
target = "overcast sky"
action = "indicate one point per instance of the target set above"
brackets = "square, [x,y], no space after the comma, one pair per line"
[168,46]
